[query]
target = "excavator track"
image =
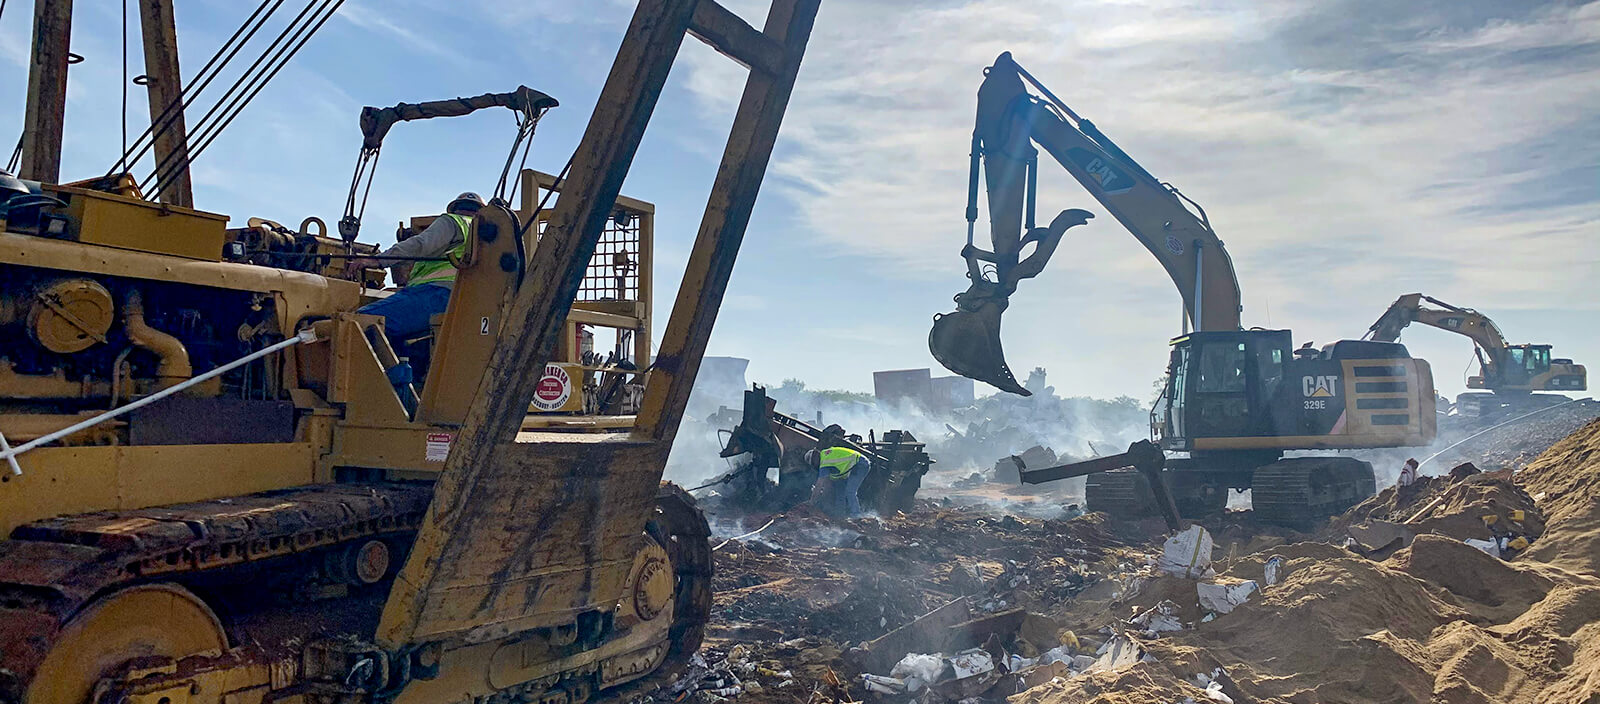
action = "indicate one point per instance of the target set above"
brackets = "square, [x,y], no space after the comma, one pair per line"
[315,540]
[1126,493]
[1302,490]
[1123,493]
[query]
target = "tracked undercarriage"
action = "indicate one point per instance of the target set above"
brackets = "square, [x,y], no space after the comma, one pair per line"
[262,590]
[1295,491]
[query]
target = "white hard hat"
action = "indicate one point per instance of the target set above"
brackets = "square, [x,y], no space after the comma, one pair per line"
[466,198]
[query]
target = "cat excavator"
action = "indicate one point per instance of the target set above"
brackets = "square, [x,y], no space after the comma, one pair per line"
[1234,400]
[1507,374]
[213,489]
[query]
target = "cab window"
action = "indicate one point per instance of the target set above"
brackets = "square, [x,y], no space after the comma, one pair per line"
[1222,368]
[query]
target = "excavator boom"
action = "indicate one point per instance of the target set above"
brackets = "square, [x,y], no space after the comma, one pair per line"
[1010,121]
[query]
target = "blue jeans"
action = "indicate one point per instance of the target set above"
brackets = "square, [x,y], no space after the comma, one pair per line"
[845,500]
[406,312]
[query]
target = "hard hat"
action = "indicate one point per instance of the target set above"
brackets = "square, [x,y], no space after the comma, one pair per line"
[465,199]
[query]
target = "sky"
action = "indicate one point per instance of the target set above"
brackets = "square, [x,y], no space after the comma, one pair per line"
[1346,151]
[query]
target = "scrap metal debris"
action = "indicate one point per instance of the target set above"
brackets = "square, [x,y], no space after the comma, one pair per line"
[976,604]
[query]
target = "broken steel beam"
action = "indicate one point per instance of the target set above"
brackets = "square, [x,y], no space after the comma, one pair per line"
[1143,456]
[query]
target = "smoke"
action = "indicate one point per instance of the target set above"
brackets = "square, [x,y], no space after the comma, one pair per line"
[960,441]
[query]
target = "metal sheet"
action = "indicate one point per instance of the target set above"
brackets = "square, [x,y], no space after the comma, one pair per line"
[180,420]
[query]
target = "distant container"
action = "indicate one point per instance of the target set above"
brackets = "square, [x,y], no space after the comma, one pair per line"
[951,392]
[903,385]
[722,374]
[720,382]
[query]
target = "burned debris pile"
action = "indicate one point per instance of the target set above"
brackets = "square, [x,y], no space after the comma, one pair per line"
[1465,586]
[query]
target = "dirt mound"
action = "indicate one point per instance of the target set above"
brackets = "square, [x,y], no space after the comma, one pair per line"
[1437,621]
[1445,506]
[1461,511]
[1565,481]
[1393,503]
[1491,589]
[1513,445]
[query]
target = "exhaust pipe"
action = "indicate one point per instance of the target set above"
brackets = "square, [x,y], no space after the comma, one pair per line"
[174,357]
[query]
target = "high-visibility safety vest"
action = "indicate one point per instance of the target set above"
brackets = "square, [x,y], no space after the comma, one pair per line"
[839,460]
[443,272]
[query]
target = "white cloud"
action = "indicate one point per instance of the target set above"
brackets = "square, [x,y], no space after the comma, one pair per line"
[423,41]
[1339,173]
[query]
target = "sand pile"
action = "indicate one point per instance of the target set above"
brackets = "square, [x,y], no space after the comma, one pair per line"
[1565,481]
[1438,621]
[1450,507]
[1460,512]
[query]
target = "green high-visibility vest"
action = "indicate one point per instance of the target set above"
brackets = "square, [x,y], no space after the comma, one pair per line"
[443,272]
[839,460]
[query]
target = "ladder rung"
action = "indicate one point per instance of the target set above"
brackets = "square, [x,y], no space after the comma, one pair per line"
[732,36]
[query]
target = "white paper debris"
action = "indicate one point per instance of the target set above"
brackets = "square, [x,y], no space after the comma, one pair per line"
[1161,618]
[1488,546]
[1187,554]
[884,685]
[1119,652]
[918,670]
[1221,598]
[970,663]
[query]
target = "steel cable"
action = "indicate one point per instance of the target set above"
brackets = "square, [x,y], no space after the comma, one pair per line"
[207,121]
[187,93]
[283,49]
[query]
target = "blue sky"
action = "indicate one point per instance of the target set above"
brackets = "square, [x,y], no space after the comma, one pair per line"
[1347,151]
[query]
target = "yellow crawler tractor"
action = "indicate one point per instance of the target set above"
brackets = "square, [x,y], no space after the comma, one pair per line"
[215,486]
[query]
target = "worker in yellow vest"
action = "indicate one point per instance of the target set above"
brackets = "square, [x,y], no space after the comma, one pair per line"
[406,313]
[840,472]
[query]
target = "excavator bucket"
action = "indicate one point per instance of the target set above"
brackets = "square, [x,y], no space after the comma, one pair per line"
[967,342]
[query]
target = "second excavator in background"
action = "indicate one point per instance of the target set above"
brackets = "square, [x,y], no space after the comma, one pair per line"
[1507,375]
[1234,400]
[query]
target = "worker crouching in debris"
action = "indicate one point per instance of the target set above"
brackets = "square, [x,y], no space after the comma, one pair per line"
[840,472]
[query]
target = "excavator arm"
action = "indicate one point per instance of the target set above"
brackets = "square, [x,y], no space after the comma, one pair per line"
[1504,368]
[1010,121]
[1462,321]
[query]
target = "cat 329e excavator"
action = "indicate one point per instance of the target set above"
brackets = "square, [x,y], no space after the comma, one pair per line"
[1235,400]
[212,490]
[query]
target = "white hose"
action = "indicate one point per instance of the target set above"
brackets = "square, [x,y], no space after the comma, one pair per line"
[11,454]
[5,446]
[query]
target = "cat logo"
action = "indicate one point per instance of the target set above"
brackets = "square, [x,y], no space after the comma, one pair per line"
[1319,386]
[1108,176]
[1103,174]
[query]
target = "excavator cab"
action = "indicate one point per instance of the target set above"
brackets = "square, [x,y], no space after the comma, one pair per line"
[1223,384]
[1522,363]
